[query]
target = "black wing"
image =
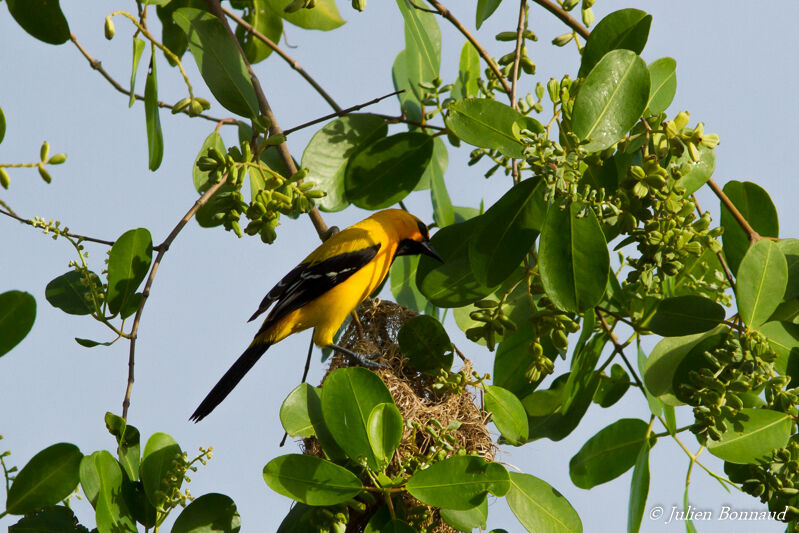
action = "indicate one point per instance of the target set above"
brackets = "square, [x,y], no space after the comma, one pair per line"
[305,283]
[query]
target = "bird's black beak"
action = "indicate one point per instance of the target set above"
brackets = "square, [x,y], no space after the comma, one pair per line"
[427,249]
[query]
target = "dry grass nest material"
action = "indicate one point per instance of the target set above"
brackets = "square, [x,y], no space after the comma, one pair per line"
[416,400]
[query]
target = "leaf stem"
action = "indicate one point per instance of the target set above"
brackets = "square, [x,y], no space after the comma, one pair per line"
[725,200]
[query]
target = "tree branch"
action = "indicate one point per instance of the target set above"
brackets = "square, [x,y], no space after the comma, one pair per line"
[215,7]
[162,249]
[750,231]
[564,16]
[444,12]
[97,65]
[292,62]
[68,234]
[517,55]
[339,113]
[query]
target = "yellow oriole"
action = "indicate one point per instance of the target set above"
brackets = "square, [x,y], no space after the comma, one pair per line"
[327,286]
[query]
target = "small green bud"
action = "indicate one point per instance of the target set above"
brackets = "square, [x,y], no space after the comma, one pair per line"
[5,181]
[588,16]
[553,88]
[44,151]
[539,90]
[195,108]
[562,40]
[486,304]
[274,140]
[203,102]
[506,36]
[568,5]
[360,5]
[681,120]
[710,140]
[44,174]
[315,193]
[57,159]
[181,105]
[109,28]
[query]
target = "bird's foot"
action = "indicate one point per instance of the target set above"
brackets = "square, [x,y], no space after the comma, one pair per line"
[364,359]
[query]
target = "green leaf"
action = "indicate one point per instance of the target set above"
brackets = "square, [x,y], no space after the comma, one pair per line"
[611,99]
[422,45]
[487,124]
[626,29]
[467,520]
[202,178]
[138,49]
[128,444]
[42,19]
[219,61]
[17,314]
[508,414]
[210,513]
[485,8]
[68,293]
[573,258]
[663,86]
[50,476]
[396,525]
[612,388]
[160,452]
[128,264]
[694,174]
[331,148]
[685,315]
[409,103]
[2,125]
[403,287]
[752,436]
[548,415]
[761,282]
[784,339]
[459,482]
[155,137]
[790,249]
[584,361]
[171,35]
[385,171]
[384,428]
[468,73]
[661,365]
[507,232]
[609,453]
[265,20]
[102,480]
[56,519]
[443,213]
[348,397]
[451,284]
[540,507]
[754,203]
[423,340]
[294,413]
[311,480]
[323,16]
[639,490]
[512,360]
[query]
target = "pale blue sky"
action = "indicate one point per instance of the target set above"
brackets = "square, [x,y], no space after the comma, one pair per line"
[734,71]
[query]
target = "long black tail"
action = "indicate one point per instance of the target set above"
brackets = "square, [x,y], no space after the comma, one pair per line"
[231,378]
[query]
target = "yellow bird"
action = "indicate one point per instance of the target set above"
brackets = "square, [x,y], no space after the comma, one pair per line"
[327,286]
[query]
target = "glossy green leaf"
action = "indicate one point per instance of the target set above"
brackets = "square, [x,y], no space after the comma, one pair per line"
[311,480]
[626,29]
[160,452]
[487,124]
[332,450]
[663,86]
[468,73]
[754,203]
[573,258]
[584,361]
[422,45]
[424,341]
[348,397]
[685,315]
[384,428]
[294,413]
[790,249]
[210,513]
[466,520]
[512,360]
[55,519]
[459,482]
[222,201]
[508,414]
[128,444]
[397,526]
[102,480]
[323,16]
[612,388]
[42,19]
[761,282]
[609,453]
[17,314]
[507,232]
[385,171]
[202,178]
[138,50]
[68,292]
[155,137]
[485,8]
[784,339]
[171,35]
[443,213]
[752,436]
[403,286]
[128,264]
[50,476]
[611,99]
[548,416]
[409,103]
[219,61]
[331,148]
[661,365]
[639,490]
[263,18]
[540,507]
[694,174]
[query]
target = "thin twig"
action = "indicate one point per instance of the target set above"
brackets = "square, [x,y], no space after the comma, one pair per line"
[564,16]
[291,61]
[719,254]
[97,65]
[750,231]
[73,235]
[215,8]
[162,249]
[403,120]
[517,55]
[619,349]
[444,12]
[339,113]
